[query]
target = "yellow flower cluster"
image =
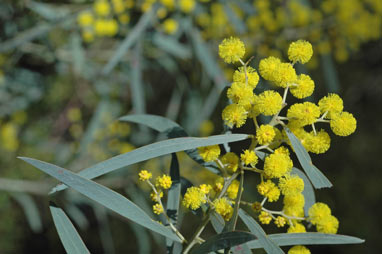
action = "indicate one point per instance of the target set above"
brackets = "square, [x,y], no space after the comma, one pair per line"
[320,216]
[209,153]
[194,198]
[163,181]
[223,207]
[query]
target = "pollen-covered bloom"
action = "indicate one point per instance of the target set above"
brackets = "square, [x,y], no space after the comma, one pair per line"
[269,189]
[299,249]
[252,76]
[285,74]
[303,113]
[296,228]
[343,124]
[233,189]
[224,208]
[280,221]
[291,184]
[317,142]
[265,134]
[209,153]
[144,175]
[332,104]
[230,161]
[241,94]
[231,50]
[329,225]
[249,157]
[268,67]
[268,103]
[101,8]
[170,26]
[157,208]
[234,114]
[294,201]
[318,212]
[194,198]
[154,196]
[85,18]
[300,51]
[277,165]
[265,218]
[205,188]
[303,87]
[163,181]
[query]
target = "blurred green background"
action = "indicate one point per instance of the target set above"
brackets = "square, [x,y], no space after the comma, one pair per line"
[70,69]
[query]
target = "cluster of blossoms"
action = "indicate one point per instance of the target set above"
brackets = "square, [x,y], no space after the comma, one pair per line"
[277,179]
[163,182]
[269,143]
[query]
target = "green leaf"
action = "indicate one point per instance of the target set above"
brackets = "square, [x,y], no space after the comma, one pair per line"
[330,73]
[104,196]
[173,198]
[217,222]
[265,242]
[136,83]
[66,231]
[223,241]
[151,151]
[307,239]
[315,175]
[308,191]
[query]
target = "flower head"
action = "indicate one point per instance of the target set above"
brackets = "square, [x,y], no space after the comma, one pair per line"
[170,26]
[304,87]
[280,221]
[300,51]
[291,184]
[249,157]
[343,124]
[303,113]
[265,218]
[164,181]
[268,67]
[144,175]
[234,114]
[277,165]
[332,104]
[317,142]
[241,94]
[265,134]
[158,208]
[299,249]
[269,189]
[224,208]
[253,77]
[231,50]
[318,212]
[209,153]
[268,103]
[194,198]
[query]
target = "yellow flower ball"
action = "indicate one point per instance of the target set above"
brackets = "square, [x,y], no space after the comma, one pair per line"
[268,103]
[328,225]
[318,212]
[101,8]
[249,158]
[280,221]
[144,175]
[231,50]
[164,181]
[194,198]
[209,153]
[241,94]
[332,104]
[277,165]
[284,75]
[252,76]
[317,143]
[186,6]
[265,218]
[234,115]
[291,184]
[300,51]
[343,124]
[268,67]
[224,208]
[85,19]
[303,113]
[265,134]
[299,249]
[304,87]
[170,26]
[296,228]
[158,209]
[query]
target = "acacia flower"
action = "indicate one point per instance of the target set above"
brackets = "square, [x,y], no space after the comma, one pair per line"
[300,51]
[231,50]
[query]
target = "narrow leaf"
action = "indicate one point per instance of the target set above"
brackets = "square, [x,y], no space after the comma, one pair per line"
[266,243]
[307,239]
[315,175]
[104,196]
[308,192]
[217,222]
[172,130]
[223,241]
[151,151]
[30,210]
[173,198]
[70,238]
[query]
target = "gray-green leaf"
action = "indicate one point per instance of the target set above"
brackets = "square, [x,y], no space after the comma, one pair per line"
[70,238]
[315,175]
[223,241]
[265,242]
[307,239]
[104,196]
